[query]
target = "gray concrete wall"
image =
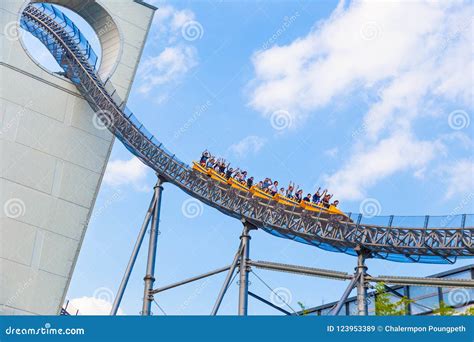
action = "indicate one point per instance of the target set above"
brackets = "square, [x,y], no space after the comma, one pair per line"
[52,157]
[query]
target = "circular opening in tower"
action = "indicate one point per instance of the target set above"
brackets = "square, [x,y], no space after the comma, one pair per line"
[41,55]
[97,27]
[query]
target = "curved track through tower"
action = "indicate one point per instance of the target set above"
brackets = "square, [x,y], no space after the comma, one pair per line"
[423,243]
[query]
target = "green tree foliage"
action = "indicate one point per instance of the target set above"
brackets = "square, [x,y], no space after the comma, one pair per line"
[384,306]
[444,310]
[304,312]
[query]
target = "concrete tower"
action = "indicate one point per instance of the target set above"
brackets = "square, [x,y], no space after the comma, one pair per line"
[52,157]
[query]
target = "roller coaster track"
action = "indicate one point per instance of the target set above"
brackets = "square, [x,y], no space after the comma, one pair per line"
[398,243]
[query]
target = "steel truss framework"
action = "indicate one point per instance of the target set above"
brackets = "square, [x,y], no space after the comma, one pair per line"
[242,265]
[422,244]
[411,244]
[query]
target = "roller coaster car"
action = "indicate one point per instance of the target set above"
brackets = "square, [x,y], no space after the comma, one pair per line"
[285,200]
[317,208]
[260,193]
[199,168]
[237,185]
[312,207]
[209,172]
[334,210]
[216,176]
[257,192]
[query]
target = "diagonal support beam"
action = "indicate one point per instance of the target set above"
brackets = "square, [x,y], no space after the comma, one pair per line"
[227,280]
[269,303]
[346,294]
[190,280]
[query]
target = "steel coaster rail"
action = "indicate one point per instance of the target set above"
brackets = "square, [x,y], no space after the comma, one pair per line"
[412,244]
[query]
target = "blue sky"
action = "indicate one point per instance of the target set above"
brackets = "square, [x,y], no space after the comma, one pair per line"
[363,98]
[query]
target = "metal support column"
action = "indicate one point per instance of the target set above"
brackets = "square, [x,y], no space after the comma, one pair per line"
[361,271]
[133,257]
[150,267]
[227,281]
[244,270]
[335,311]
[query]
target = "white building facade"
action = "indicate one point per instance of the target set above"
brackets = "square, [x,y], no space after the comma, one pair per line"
[52,156]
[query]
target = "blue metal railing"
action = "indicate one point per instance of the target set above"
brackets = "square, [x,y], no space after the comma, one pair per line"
[81,42]
[427,221]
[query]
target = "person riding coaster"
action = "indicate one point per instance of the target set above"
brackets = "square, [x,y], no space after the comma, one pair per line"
[218,170]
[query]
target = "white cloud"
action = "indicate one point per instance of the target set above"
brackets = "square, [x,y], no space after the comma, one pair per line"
[169,66]
[126,172]
[374,47]
[370,164]
[92,306]
[335,56]
[251,144]
[459,178]
[168,22]
[178,57]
